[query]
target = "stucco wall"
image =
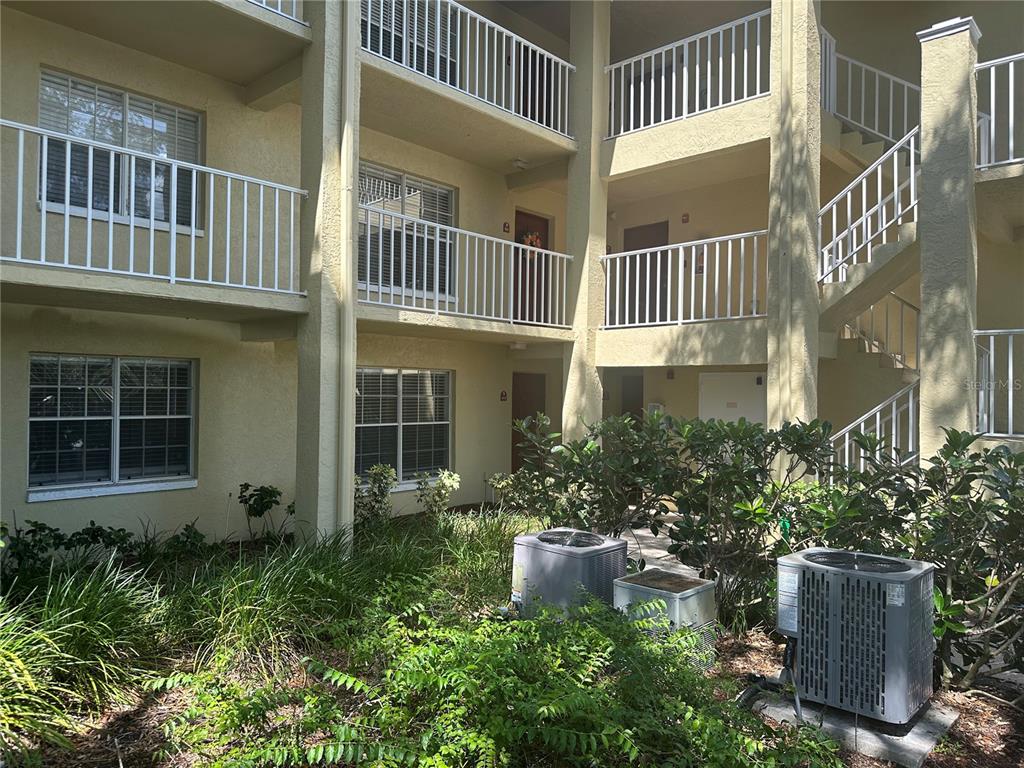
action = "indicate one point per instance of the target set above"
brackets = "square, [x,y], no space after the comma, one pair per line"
[245,415]
[680,394]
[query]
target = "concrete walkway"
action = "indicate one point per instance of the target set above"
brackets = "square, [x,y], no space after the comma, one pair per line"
[654,549]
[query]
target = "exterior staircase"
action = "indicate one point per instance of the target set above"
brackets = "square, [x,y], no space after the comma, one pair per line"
[868,247]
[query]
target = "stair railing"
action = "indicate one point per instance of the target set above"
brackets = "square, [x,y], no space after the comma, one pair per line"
[869,210]
[894,422]
[866,97]
[890,327]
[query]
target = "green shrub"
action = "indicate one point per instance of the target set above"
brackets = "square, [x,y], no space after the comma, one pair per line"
[259,502]
[32,705]
[434,493]
[102,619]
[373,494]
[589,688]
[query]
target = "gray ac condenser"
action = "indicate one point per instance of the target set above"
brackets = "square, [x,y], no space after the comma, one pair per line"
[863,627]
[552,565]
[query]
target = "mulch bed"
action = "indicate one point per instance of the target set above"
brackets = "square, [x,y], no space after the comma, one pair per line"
[986,735]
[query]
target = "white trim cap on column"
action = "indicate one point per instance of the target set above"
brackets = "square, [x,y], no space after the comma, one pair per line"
[951,27]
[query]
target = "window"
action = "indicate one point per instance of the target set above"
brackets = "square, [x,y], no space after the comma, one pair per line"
[109,420]
[399,252]
[91,111]
[403,418]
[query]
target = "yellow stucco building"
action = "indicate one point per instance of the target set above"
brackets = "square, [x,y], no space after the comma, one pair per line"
[276,241]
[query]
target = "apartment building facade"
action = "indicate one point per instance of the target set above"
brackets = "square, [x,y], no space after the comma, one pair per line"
[278,242]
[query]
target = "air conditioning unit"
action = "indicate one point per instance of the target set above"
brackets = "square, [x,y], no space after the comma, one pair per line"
[863,630]
[552,565]
[689,602]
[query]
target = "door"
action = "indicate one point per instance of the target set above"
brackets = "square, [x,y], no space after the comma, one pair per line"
[644,267]
[531,274]
[527,400]
[731,396]
[633,394]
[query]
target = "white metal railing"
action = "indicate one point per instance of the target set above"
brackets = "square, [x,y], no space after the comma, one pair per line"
[1000,382]
[711,69]
[291,9]
[415,264]
[105,208]
[866,97]
[1000,87]
[869,211]
[715,279]
[894,423]
[889,327]
[453,45]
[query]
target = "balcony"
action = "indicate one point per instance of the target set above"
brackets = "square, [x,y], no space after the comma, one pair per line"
[410,264]
[715,68]
[722,278]
[1000,381]
[79,206]
[290,9]
[462,50]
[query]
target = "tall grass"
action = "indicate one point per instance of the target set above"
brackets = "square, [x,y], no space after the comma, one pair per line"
[31,703]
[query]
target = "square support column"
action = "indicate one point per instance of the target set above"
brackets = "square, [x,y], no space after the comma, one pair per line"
[586,232]
[325,460]
[947,229]
[795,172]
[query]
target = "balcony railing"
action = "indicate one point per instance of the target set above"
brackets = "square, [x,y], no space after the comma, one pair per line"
[1000,382]
[867,98]
[717,279]
[291,9]
[714,68]
[80,204]
[409,263]
[1000,104]
[453,45]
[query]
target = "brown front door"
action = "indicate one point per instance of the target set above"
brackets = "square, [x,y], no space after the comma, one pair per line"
[527,400]
[531,273]
[633,394]
[644,268]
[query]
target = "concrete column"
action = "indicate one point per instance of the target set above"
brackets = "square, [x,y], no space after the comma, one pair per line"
[325,460]
[795,173]
[587,213]
[946,230]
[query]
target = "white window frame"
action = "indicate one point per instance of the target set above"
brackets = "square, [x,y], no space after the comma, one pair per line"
[115,486]
[410,484]
[124,198]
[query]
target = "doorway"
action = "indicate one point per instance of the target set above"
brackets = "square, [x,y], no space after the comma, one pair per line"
[531,270]
[633,394]
[652,305]
[528,399]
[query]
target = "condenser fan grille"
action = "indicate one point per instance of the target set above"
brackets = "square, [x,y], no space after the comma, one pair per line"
[571,538]
[851,561]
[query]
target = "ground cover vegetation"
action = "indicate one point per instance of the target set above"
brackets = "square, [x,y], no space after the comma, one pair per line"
[392,648]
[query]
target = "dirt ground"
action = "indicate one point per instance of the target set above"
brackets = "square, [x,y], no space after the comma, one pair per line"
[986,735]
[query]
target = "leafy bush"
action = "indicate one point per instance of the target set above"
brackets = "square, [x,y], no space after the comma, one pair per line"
[29,553]
[434,494]
[259,502]
[593,687]
[373,494]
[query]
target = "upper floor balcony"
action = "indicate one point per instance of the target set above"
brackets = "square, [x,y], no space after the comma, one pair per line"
[465,51]
[136,221]
[412,264]
[714,68]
